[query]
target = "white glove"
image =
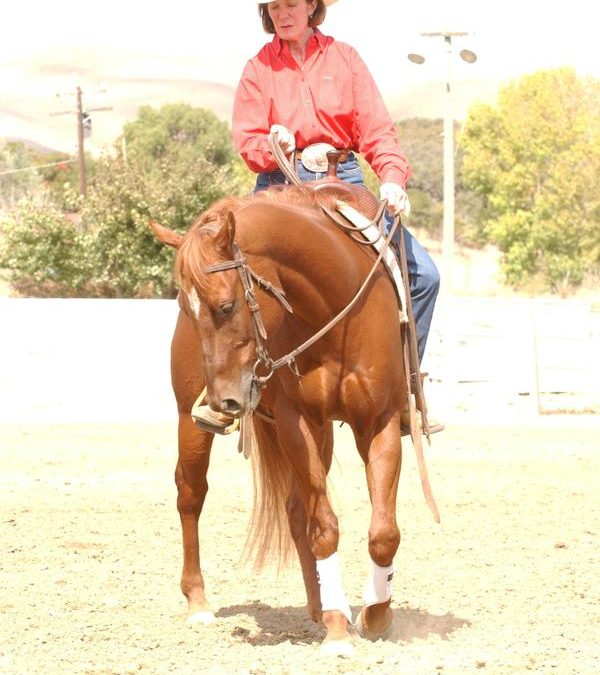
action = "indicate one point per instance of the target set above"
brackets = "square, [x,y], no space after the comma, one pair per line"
[397,199]
[284,137]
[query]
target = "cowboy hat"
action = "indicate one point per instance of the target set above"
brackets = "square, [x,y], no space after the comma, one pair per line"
[325,2]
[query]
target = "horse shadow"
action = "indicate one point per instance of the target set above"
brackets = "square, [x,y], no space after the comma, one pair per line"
[291,624]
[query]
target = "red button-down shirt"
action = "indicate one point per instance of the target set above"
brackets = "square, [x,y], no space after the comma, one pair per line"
[331,98]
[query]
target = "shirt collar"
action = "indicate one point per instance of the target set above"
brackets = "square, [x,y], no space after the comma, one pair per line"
[317,38]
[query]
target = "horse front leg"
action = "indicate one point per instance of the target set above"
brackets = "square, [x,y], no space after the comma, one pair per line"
[298,521]
[192,486]
[305,443]
[382,455]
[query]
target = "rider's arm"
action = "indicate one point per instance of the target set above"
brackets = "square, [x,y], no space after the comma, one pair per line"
[250,123]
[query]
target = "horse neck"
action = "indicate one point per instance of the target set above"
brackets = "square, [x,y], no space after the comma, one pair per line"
[317,266]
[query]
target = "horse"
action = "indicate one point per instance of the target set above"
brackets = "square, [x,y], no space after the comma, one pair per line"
[259,276]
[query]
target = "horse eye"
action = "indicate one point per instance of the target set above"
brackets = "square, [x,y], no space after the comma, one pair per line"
[226,307]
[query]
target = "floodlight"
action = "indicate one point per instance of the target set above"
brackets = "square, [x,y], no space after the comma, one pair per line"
[416,58]
[468,56]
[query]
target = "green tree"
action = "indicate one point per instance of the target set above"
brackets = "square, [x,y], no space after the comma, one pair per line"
[178,161]
[422,140]
[157,134]
[535,161]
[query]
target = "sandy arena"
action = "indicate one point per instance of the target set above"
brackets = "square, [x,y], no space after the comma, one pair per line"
[91,557]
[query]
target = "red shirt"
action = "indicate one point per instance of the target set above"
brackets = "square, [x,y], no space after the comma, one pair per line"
[331,98]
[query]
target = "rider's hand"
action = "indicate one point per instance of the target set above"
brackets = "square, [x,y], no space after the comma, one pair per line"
[284,137]
[397,199]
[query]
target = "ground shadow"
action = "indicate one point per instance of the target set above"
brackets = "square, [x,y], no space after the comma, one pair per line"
[276,624]
[291,624]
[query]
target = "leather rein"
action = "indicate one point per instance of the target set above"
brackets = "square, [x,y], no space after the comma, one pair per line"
[265,366]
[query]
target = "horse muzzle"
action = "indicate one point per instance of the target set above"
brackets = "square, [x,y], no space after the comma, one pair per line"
[235,401]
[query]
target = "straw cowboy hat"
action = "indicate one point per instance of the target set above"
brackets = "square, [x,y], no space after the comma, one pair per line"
[326,2]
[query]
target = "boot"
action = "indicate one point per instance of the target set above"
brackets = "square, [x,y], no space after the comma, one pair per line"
[434,425]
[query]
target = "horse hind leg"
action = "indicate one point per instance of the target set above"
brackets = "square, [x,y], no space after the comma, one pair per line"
[192,486]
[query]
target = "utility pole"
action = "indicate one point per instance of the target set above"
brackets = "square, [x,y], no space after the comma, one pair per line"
[80,144]
[449,189]
[84,124]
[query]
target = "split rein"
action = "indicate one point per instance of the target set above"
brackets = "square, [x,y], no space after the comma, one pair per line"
[264,363]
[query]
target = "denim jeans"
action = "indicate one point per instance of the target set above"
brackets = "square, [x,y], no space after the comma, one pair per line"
[424,278]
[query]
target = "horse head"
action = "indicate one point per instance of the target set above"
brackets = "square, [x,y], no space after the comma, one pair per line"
[212,294]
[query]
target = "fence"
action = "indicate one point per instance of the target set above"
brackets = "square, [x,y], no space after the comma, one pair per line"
[528,356]
[108,360]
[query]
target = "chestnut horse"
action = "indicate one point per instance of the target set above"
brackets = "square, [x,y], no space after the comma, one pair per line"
[306,271]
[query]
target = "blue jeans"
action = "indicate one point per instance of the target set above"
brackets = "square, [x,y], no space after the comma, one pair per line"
[423,274]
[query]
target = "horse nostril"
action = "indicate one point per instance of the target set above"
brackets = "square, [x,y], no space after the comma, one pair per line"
[231,406]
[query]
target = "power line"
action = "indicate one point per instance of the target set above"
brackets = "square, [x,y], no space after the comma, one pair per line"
[39,166]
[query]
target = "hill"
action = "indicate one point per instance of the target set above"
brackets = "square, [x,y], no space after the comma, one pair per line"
[38,101]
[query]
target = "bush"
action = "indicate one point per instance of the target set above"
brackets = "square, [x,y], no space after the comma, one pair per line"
[178,164]
[47,254]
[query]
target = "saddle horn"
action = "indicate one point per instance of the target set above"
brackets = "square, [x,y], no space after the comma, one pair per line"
[333,157]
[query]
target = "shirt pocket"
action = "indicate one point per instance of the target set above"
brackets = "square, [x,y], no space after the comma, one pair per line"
[333,96]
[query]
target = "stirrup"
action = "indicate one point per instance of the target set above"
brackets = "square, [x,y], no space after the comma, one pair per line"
[434,425]
[207,419]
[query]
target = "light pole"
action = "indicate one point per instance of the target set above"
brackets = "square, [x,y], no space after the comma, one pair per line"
[448,223]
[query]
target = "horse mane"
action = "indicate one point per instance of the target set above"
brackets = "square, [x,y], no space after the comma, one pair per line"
[191,258]
[286,195]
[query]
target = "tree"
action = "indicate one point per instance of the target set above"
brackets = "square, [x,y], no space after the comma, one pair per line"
[422,141]
[535,161]
[178,161]
[157,134]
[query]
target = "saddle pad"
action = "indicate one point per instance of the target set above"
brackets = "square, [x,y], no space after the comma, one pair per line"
[371,233]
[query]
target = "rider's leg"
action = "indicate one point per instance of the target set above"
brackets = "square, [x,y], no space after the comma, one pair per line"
[424,286]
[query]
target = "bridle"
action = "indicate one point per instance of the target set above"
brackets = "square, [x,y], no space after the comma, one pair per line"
[247,276]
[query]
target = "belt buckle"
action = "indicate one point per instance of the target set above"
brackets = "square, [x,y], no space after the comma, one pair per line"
[314,157]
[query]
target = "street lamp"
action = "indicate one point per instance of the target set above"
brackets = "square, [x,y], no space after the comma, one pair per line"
[448,223]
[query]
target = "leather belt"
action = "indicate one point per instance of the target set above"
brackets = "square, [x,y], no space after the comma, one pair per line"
[344,154]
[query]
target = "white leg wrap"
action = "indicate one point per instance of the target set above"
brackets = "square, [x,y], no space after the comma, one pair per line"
[379,585]
[330,582]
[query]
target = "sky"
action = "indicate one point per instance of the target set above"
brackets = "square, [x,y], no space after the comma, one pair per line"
[211,41]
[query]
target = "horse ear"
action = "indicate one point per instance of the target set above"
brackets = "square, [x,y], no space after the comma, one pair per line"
[226,232]
[165,235]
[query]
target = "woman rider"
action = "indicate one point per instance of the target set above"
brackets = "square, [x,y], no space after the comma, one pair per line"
[303,88]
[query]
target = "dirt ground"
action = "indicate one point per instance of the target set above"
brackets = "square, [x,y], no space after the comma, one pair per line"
[91,557]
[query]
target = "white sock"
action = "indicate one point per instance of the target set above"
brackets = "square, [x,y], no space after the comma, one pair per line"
[330,583]
[379,585]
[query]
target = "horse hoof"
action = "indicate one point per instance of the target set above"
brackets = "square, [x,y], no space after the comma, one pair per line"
[360,629]
[205,617]
[343,648]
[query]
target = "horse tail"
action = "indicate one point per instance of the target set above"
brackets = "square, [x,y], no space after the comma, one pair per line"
[269,538]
